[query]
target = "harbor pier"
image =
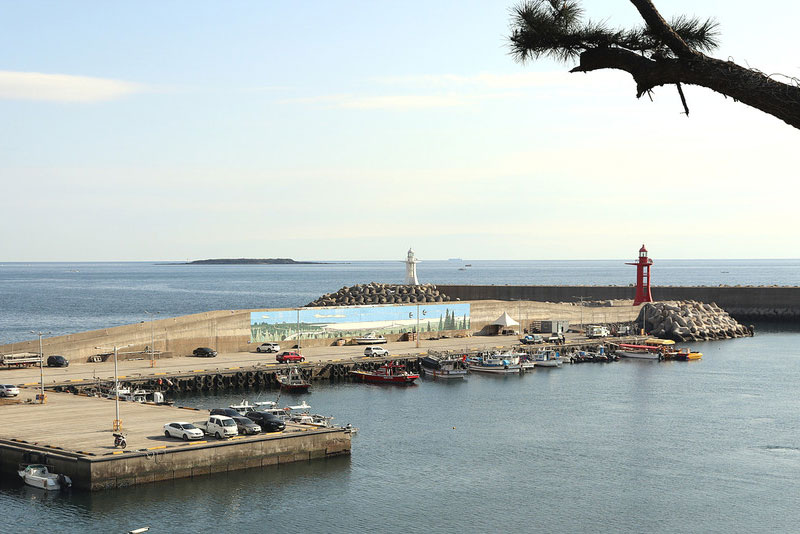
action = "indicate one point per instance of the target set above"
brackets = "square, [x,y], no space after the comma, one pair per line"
[72,434]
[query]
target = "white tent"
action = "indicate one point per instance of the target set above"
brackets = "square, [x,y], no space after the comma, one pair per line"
[505,320]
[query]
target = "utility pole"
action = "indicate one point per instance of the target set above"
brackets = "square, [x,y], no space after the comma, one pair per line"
[152,338]
[581,299]
[42,396]
[117,425]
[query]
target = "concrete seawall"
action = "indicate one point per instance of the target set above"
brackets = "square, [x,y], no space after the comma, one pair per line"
[229,330]
[758,302]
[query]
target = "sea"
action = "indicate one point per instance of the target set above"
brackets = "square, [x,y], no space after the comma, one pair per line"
[633,446]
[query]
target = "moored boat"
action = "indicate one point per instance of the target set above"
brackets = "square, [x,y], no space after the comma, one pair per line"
[388,373]
[38,476]
[548,358]
[495,363]
[443,367]
[293,380]
[686,354]
[640,352]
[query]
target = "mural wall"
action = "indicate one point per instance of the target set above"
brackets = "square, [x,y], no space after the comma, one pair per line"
[355,321]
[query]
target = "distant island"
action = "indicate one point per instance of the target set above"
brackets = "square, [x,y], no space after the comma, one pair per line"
[249,261]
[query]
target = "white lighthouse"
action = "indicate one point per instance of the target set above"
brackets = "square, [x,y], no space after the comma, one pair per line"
[411,269]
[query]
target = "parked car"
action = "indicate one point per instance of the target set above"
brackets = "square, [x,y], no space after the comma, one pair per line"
[268,347]
[8,390]
[182,430]
[267,421]
[246,426]
[289,356]
[532,339]
[219,426]
[229,412]
[57,361]
[204,352]
[375,351]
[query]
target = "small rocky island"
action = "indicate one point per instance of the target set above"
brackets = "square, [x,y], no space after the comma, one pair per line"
[250,261]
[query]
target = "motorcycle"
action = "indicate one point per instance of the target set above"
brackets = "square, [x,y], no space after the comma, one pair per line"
[120,441]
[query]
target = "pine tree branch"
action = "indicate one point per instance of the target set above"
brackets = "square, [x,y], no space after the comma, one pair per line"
[664,31]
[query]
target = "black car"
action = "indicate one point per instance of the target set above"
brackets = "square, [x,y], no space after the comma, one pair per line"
[230,412]
[204,352]
[267,421]
[57,361]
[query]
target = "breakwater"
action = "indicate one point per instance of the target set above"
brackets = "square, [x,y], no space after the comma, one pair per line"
[744,303]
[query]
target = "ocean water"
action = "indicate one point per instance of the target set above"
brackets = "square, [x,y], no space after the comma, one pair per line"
[632,446]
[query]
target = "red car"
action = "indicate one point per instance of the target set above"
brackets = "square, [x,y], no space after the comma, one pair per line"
[289,356]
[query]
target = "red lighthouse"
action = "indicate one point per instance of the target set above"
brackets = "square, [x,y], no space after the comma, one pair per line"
[642,278]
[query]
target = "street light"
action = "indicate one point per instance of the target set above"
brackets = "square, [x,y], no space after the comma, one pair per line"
[117,426]
[42,396]
[152,338]
[581,299]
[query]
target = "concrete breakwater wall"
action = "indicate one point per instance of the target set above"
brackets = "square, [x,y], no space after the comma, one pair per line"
[690,321]
[743,303]
[229,330]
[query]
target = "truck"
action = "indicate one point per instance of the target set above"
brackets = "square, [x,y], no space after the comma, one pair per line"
[20,359]
[532,339]
[594,331]
[219,426]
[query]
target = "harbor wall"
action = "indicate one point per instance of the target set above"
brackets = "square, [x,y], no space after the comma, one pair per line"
[229,330]
[741,302]
[133,468]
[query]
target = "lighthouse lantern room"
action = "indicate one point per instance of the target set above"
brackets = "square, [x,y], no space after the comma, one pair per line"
[642,278]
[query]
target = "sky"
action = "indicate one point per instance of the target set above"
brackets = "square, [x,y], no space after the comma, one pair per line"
[318,130]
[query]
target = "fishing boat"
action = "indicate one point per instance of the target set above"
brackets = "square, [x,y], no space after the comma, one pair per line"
[369,339]
[495,363]
[306,418]
[444,367]
[245,406]
[548,358]
[686,354]
[144,396]
[640,352]
[388,373]
[38,476]
[293,380]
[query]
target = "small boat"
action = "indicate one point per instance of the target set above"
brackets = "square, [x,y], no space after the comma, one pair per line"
[445,368]
[38,476]
[495,363]
[369,339]
[144,396]
[293,380]
[686,354]
[640,352]
[548,358]
[245,406]
[388,373]
[306,418]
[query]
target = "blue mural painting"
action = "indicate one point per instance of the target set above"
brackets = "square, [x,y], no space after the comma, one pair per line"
[351,321]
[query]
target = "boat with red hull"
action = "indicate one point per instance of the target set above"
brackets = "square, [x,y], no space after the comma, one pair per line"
[292,380]
[388,373]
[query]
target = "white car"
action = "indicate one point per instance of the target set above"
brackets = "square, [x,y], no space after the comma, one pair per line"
[182,430]
[8,390]
[268,347]
[375,351]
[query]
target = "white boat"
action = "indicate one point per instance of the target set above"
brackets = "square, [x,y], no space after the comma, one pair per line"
[306,418]
[141,395]
[244,406]
[39,476]
[369,339]
[495,363]
[444,368]
[547,358]
[638,354]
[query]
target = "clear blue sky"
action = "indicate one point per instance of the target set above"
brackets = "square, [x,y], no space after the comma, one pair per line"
[355,130]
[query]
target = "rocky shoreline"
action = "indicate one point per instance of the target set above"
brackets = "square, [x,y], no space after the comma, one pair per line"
[375,293]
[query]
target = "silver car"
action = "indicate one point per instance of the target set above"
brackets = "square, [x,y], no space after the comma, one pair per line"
[246,426]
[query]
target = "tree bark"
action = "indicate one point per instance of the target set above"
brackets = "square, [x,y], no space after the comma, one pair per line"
[725,77]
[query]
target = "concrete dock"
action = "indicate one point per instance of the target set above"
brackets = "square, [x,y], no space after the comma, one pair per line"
[72,433]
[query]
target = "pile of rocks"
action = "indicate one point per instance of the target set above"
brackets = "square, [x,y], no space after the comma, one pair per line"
[374,293]
[690,321]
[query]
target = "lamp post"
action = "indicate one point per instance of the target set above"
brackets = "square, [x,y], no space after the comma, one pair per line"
[117,425]
[581,299]
[42,396]
[152,338]
[417,336]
